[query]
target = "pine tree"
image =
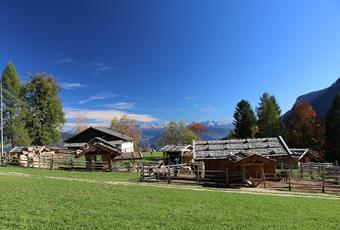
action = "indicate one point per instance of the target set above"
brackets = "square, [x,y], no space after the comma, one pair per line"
[333,131]
[244,120]
[14,114]
[304,129]
[269,122]
[45,117]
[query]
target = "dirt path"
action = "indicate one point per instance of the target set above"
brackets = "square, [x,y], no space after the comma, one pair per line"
[251,191]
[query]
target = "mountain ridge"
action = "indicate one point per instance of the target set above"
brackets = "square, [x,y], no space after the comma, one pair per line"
[321,100]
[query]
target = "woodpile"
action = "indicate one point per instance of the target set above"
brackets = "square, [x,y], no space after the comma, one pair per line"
[35,156]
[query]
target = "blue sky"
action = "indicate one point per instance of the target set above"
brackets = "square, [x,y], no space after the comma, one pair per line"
[173,60]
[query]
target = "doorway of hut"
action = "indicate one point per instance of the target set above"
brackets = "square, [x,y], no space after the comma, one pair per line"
[253,171]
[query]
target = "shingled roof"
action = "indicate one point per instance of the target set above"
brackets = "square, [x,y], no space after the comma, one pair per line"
[92,132]
[176,148]
[235,150]
[129,156]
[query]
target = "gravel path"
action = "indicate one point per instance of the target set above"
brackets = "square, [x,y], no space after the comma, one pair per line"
[252,191]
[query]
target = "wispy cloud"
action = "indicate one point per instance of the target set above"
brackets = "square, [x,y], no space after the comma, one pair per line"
[71,85]
[96,97]
[64,60]
[207,108]
[190,98]
[102,67]
[121,105]
[102,117]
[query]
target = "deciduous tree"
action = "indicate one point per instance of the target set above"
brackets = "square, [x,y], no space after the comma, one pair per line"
[80,123]
[304,128]
[45,117]
[176,134]
[128,127]
[197,128]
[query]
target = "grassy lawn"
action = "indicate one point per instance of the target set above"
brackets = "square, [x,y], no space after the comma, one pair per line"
[40,202]
[152,156]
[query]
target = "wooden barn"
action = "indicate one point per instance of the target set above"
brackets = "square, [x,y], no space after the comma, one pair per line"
[122,142]
[181,154]
[250,157]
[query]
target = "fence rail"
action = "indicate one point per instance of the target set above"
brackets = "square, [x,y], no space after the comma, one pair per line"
[72,164]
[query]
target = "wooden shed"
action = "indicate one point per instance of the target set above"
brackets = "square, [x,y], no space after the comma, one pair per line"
[303,155]
[181,154]
[99,154]
[250,157]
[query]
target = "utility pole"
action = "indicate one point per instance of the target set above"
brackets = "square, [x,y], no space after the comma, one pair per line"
[2,121]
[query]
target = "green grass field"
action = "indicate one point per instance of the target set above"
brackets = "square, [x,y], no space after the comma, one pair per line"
[37,199]
[152,156]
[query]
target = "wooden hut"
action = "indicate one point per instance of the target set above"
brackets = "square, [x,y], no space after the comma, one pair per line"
[303,155]
[99,154]
[181,154]
[250,157]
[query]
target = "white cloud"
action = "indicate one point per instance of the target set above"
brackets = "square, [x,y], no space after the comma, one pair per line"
[208,108]
[71,85]
[96,97]
[190,98]
[65,60]
[102,67]
[121,105]
[102,117]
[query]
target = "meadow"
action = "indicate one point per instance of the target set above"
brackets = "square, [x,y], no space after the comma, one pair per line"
[44,199]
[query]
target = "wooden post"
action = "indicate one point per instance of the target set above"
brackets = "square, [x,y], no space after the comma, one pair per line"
[169,174]
[289,181]
[226,177]
[263,177]
[51,163]
[301,170]
[311,170]
[72,164]
[109,162]
[323,178]
[142,174]
[337,167]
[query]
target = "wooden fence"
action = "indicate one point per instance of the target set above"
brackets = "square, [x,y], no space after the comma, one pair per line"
[181,173]
[72,164]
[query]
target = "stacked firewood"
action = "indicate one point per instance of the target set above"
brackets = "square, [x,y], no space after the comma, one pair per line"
[36,156]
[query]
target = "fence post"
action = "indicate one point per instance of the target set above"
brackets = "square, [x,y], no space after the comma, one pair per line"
[141,179]
[337,174]
[72,164]
[311,170]
[51,163]
[301,170]
[323,178]
[281,166]
[226,177]
[289,180]
[169,174]
[263,178]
